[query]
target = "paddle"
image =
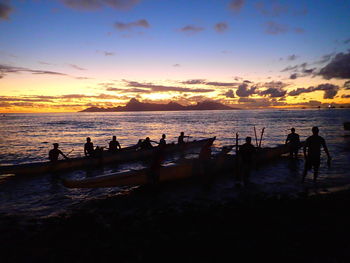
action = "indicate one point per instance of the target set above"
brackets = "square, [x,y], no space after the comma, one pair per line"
[261,136]
[256,138]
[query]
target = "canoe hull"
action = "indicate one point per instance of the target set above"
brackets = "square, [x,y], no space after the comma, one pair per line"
[124,155]
[190,168]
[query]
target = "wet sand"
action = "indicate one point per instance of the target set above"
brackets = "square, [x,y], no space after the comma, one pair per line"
[143,225]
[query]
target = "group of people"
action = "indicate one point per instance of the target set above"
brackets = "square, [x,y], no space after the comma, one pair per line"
[246,152]
[114,146]
[311,151]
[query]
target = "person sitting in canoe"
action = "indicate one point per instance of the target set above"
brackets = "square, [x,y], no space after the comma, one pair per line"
[146,144]
[180,139]
[162,141]
[88,147]
[246,155]
[55,152]
[294,141]
[114,145]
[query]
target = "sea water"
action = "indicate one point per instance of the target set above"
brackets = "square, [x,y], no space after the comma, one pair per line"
[26,138]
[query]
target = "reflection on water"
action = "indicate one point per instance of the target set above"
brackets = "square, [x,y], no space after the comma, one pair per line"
[28,137]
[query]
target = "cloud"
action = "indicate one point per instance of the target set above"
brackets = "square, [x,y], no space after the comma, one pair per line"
[347,85]
[133,90]
[347,41]
[106,53]
[330,90]
[271,9]
[292,57]
[176,65]
[299,91]
[161,88]
[222,84]
[345,96]
[273,28]
[96,4]
[191,29]
[325,58]
[229,94]
[210,83]
[273,92]
[76,67]
[339,67]
[293,76]
[5,11]
[128,26]
[194,81]
[4,69]
[221,27]
[244,91]
[275,84]
[236,5]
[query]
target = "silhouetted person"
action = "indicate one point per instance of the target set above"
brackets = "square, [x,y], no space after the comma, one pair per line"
[146,144]
[246,154]
[88,147]
[294,141]
[55,152]
[180,139]
[312,156]
[162,141]
[114,145]
[153,173]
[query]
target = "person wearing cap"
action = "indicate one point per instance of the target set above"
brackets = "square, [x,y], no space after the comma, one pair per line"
[312,153]
[55,152]
[294,141]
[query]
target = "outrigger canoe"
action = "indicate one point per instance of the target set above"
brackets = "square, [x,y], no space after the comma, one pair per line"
[123,155]
[220,163]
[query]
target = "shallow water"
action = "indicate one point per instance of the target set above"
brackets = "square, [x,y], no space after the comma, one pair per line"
[28,137]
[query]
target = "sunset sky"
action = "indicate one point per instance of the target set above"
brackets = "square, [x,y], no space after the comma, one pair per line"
[67,55]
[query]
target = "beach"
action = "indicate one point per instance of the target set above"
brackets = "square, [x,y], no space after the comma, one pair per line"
[143,226]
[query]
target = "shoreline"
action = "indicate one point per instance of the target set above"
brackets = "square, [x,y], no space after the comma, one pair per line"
[142,226]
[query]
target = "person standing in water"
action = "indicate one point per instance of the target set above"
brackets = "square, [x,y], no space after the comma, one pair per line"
[246,155]
[312,153]
[294,140]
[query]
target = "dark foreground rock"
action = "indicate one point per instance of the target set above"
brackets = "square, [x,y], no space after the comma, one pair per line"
[139,227]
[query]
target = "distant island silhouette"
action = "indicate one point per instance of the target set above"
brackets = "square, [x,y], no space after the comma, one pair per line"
[135,105]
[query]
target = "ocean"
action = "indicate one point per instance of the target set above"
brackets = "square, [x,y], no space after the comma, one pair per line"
[26,138]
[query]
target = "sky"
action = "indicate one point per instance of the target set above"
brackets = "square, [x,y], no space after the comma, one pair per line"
[67,55]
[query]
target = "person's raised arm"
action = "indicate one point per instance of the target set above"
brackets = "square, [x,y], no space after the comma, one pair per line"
[65,157]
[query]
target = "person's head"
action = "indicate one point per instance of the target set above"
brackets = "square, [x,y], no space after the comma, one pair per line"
[182,133]
[163,136]
[292,130]
[248,139]
[147,139]
[88,139]
[114,138]
[315,130]
[55,145]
